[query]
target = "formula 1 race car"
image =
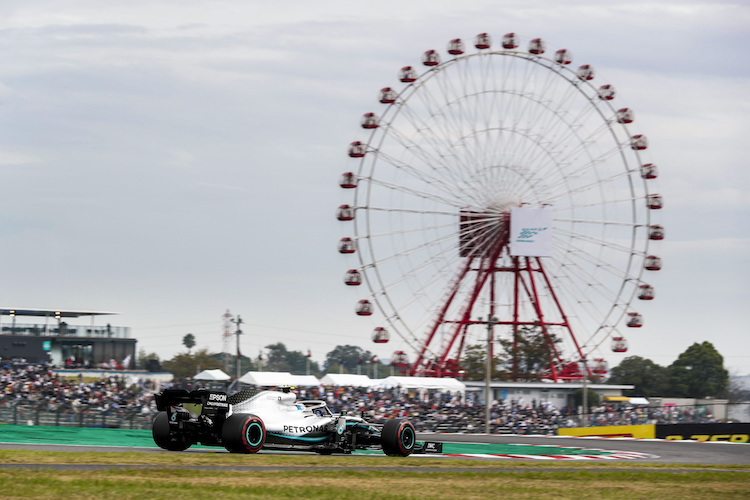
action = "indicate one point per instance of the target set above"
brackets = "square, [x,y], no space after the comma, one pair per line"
[251,420]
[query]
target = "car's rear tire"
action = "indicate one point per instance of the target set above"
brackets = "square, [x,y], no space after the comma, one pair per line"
[398,438]
[243,433]
[164,437]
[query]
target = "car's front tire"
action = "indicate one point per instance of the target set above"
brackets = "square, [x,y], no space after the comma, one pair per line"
[166,439]
[398,438]
[243,433]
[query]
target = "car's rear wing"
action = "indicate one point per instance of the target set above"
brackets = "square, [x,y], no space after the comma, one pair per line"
[211,401]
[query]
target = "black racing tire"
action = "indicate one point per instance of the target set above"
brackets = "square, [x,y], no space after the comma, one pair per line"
[398,438]
[166,439]
[243,433]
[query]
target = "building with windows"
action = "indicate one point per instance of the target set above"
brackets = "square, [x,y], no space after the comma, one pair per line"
[557,394]
[60,338]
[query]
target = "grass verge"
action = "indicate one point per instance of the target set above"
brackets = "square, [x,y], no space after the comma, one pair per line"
[178,475]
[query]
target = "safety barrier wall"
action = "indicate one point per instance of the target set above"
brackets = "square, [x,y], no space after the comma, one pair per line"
[732,432]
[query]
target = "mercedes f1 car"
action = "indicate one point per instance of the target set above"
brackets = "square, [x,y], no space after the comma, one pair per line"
[250,420]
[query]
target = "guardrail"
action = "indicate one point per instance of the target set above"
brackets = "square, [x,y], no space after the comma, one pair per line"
[68,415]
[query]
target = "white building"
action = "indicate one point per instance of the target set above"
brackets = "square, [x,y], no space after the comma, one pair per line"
[558,395]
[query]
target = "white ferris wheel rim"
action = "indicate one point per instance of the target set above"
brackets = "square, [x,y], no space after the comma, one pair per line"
[441,139]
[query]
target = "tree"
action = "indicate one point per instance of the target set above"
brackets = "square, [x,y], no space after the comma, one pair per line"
[346,356]
[532,352]
[698,373]
[592,398]
[474,363]
[186,365]
[297,361]
[276,358]
[279,359]
[149,362]
[188,341]
[648,378]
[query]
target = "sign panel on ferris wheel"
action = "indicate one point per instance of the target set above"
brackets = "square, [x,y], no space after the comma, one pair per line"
[497,180]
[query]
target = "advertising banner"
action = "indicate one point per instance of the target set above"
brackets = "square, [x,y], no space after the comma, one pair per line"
[735,433]
[632,431]
[530,232]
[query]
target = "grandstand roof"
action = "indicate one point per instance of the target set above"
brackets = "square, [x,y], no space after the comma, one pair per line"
[49,313]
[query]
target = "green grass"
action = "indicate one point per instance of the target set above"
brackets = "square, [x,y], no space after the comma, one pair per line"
[177,476]
[220,458]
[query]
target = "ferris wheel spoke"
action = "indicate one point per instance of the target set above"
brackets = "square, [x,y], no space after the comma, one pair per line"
[450,124]
[577,265]
[627,250]
[565,154]
[430,158]
[584,308]
[441,196]
[405,210]
[420,229]
[436,101]
[599,222]
[440,170]
[600,204]
[597,183]
[411,250]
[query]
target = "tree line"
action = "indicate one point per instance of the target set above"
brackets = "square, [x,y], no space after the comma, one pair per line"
[696,373]
[276,358]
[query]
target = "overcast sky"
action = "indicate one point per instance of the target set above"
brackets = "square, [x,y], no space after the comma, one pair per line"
[171,160]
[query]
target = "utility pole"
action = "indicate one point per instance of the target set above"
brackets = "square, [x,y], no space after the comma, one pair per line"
[226,337]
[585,391]
[491,321]
[238,332]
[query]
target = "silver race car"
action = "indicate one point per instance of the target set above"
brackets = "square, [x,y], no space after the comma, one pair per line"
[251,420]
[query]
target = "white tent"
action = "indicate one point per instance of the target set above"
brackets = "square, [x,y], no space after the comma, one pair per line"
[347,380]
[305,381]
[451,385]
[212,375]
[267,379]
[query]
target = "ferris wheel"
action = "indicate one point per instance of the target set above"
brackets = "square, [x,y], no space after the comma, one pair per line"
[497,189]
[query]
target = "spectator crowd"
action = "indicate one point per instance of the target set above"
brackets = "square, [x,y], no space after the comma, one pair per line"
[442,412]
[122,400]
[30,390]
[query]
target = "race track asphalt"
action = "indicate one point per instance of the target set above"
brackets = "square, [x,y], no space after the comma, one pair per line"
[660,451]
[473,446]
